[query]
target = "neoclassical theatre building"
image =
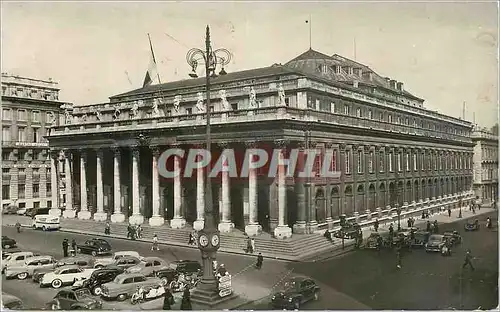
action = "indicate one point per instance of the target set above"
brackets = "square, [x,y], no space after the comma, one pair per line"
[390,149]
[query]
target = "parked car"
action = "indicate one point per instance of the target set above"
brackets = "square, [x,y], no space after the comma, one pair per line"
[46,222]
[167,275]
[32,212]
[124,285]
[16,258]
[453,237]
[471,225]
[11,209]
[148,266]
[27,269]
[125,262]
[65,275]
[421,238]
[83,261]
[372,240]
[101,262]
[8,242]
[94,247]
[435,243]
[21,211]
[10,302]
[5,254]
[74,299]
[98,278]
[294,293]
[188,267]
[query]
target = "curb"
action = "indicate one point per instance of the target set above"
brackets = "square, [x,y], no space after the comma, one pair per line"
[142,240]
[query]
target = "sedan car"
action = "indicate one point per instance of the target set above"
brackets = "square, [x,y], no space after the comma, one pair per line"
[27,269]
[294,293]
[74,299]
[148,266]
[10,302]
[65,275]
[8,242]
[436,243]
[83,261]
[101,262]
[471,225]
[94,247]
[21,211]
[453,237]
[421,238]
[98,278]
[124,285]
[188,267]
[16,258]
[11,209]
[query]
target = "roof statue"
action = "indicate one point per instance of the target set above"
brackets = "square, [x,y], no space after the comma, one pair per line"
[223,98]
[253,98]
[117,112]
[52,118]
[156,111]
[135,109]
[199,104]
[281,94]
[67,117]
[177,104]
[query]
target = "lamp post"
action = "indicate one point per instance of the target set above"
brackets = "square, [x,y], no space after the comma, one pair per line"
[208,238]
[398,210]
[460,208]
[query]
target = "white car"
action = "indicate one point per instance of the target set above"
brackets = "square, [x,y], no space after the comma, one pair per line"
[31,264]
[101,262]
[65,275]
[21,211]
[16,259]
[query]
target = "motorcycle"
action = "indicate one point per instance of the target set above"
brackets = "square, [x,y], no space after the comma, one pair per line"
[178,286]
[147,293]
[445,251]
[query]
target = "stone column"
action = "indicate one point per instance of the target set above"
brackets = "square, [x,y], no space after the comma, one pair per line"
[54,184]
[117,215]
[100,215]
[69,212]
[156,219]
[282,231]
[84,213]
[252,228]
[136,217]
[178,221]
[300,190]
[225,225]
[199,223]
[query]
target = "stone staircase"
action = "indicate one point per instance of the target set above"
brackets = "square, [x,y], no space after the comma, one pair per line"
[296,248]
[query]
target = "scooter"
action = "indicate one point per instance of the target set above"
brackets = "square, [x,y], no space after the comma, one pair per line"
[445,251]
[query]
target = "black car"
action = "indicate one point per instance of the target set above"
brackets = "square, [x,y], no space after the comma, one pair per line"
[8,242]
[373,240]
[294,293]
[471,225]
[94,247]
[167,275]
[453,237]
[32,212]
[421,238]
[74,299]
[100,277]
[188,267]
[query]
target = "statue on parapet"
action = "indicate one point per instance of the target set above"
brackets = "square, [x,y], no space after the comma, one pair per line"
[200,106]
[281,94]
[135,109]
[156,110]
[253,97]
[177,104]
[223,98]
[117,112]
[67,117]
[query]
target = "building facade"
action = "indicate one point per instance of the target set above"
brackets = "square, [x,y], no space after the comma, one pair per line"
[485,165]
[391,151]
[30,107]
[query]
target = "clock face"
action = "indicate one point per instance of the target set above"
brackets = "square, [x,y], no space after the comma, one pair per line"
[215,240]
[203,240]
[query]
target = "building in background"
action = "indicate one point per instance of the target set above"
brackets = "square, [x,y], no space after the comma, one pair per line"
[485,165]
[30,107]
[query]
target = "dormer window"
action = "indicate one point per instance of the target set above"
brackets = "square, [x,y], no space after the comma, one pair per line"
[324,69]
[338,69]
[358,113]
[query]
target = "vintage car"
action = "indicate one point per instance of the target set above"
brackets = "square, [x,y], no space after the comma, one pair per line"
[349,231]
[5,254]
[8,242]
[10,209]
[294,293]
[435,243]
[16,258]
[124,262]
[10,302]
[148,266]
[453,237]
[101,262]
[372,240]
[188,267]
[125,285]
[98,278]
[471,225]
[27,269]
[21,211]
[74,299]
[167,275]
[82,261]
[401,238]
[94,247]
[421,238]
[65,275]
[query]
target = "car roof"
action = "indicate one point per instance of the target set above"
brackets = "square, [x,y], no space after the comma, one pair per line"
[40,258]
[7,298]
[71,266]
[185,261]
[76,258]
[146,259]
[437,235]
[128,275]
[127,252]
[18,253]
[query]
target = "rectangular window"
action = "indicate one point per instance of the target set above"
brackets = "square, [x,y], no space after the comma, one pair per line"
[5,155]
[332,107]
[36,190]
[370,114]
[358,113]
[6,114]
[287,101]
[324,106]
[21,114]
[317,163]
[407,161]
[389,118]
[36,135]
[189,111]
[398,164]
[381,162]
[21,170]
[435,161]
[21,134]
[5,170]
[6,191]
[21,191]
[391,157]
[361,157]
[348,161]
[347,110]
[422,162]
[36,116]
[49,189]
[6,134]
[415,167]
[440,155]
[49,204]
[445,159]
[370,162]
[234,106]
[333,163]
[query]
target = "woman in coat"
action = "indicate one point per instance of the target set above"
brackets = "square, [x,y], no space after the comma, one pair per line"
[186,300]
[168,299]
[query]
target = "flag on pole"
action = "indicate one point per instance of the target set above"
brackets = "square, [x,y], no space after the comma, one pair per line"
[152,68]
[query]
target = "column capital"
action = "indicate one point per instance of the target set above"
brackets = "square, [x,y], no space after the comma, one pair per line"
[281,143]
[356,147]
[143,139]
[379,149]
[367,149]
[342,146]
[116,150]
[330,145]
[135,151]
[155,149]
[99,152]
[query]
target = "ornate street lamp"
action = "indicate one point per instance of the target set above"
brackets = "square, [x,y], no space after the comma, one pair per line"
[460,208]
[208,238]
[398,210]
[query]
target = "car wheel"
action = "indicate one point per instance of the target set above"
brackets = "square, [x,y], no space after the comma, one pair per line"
[316,295]
[57,283]
[164,280]
[78,250]
[121,297]
[94,253]
[99,266]
[296,304]
[44,228]
[54,306]
[7,246]
[22,276]
[97,291]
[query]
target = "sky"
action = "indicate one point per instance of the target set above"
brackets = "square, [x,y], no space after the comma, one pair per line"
[445,53]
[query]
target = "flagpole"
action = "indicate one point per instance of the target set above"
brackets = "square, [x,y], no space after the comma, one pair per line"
[154,59]
[310,32]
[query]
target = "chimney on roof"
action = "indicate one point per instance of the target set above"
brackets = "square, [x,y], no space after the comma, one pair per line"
[392,83]
[400,86]
[368,75]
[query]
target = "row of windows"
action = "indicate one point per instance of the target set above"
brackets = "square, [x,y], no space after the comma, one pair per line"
[35,171]
[21,190]
[23,155]
[24,134]
[31,93]
[22,115]
[341,107]
[490,153]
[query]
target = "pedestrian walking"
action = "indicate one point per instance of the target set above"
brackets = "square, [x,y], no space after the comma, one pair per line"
[468,260]
[328,235]
[18,227]
[408,222]
[107,228]
[428,226]
[252,243]
[191,240]
[375,225]
[155,243]
[168,299]
[260,260]
[65,247]
[398,255]
[73,247]
[436,227]
[138,231]
[186,300]
[391,230]
[423,214]
[449,212]
[129,231]
[249,246]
